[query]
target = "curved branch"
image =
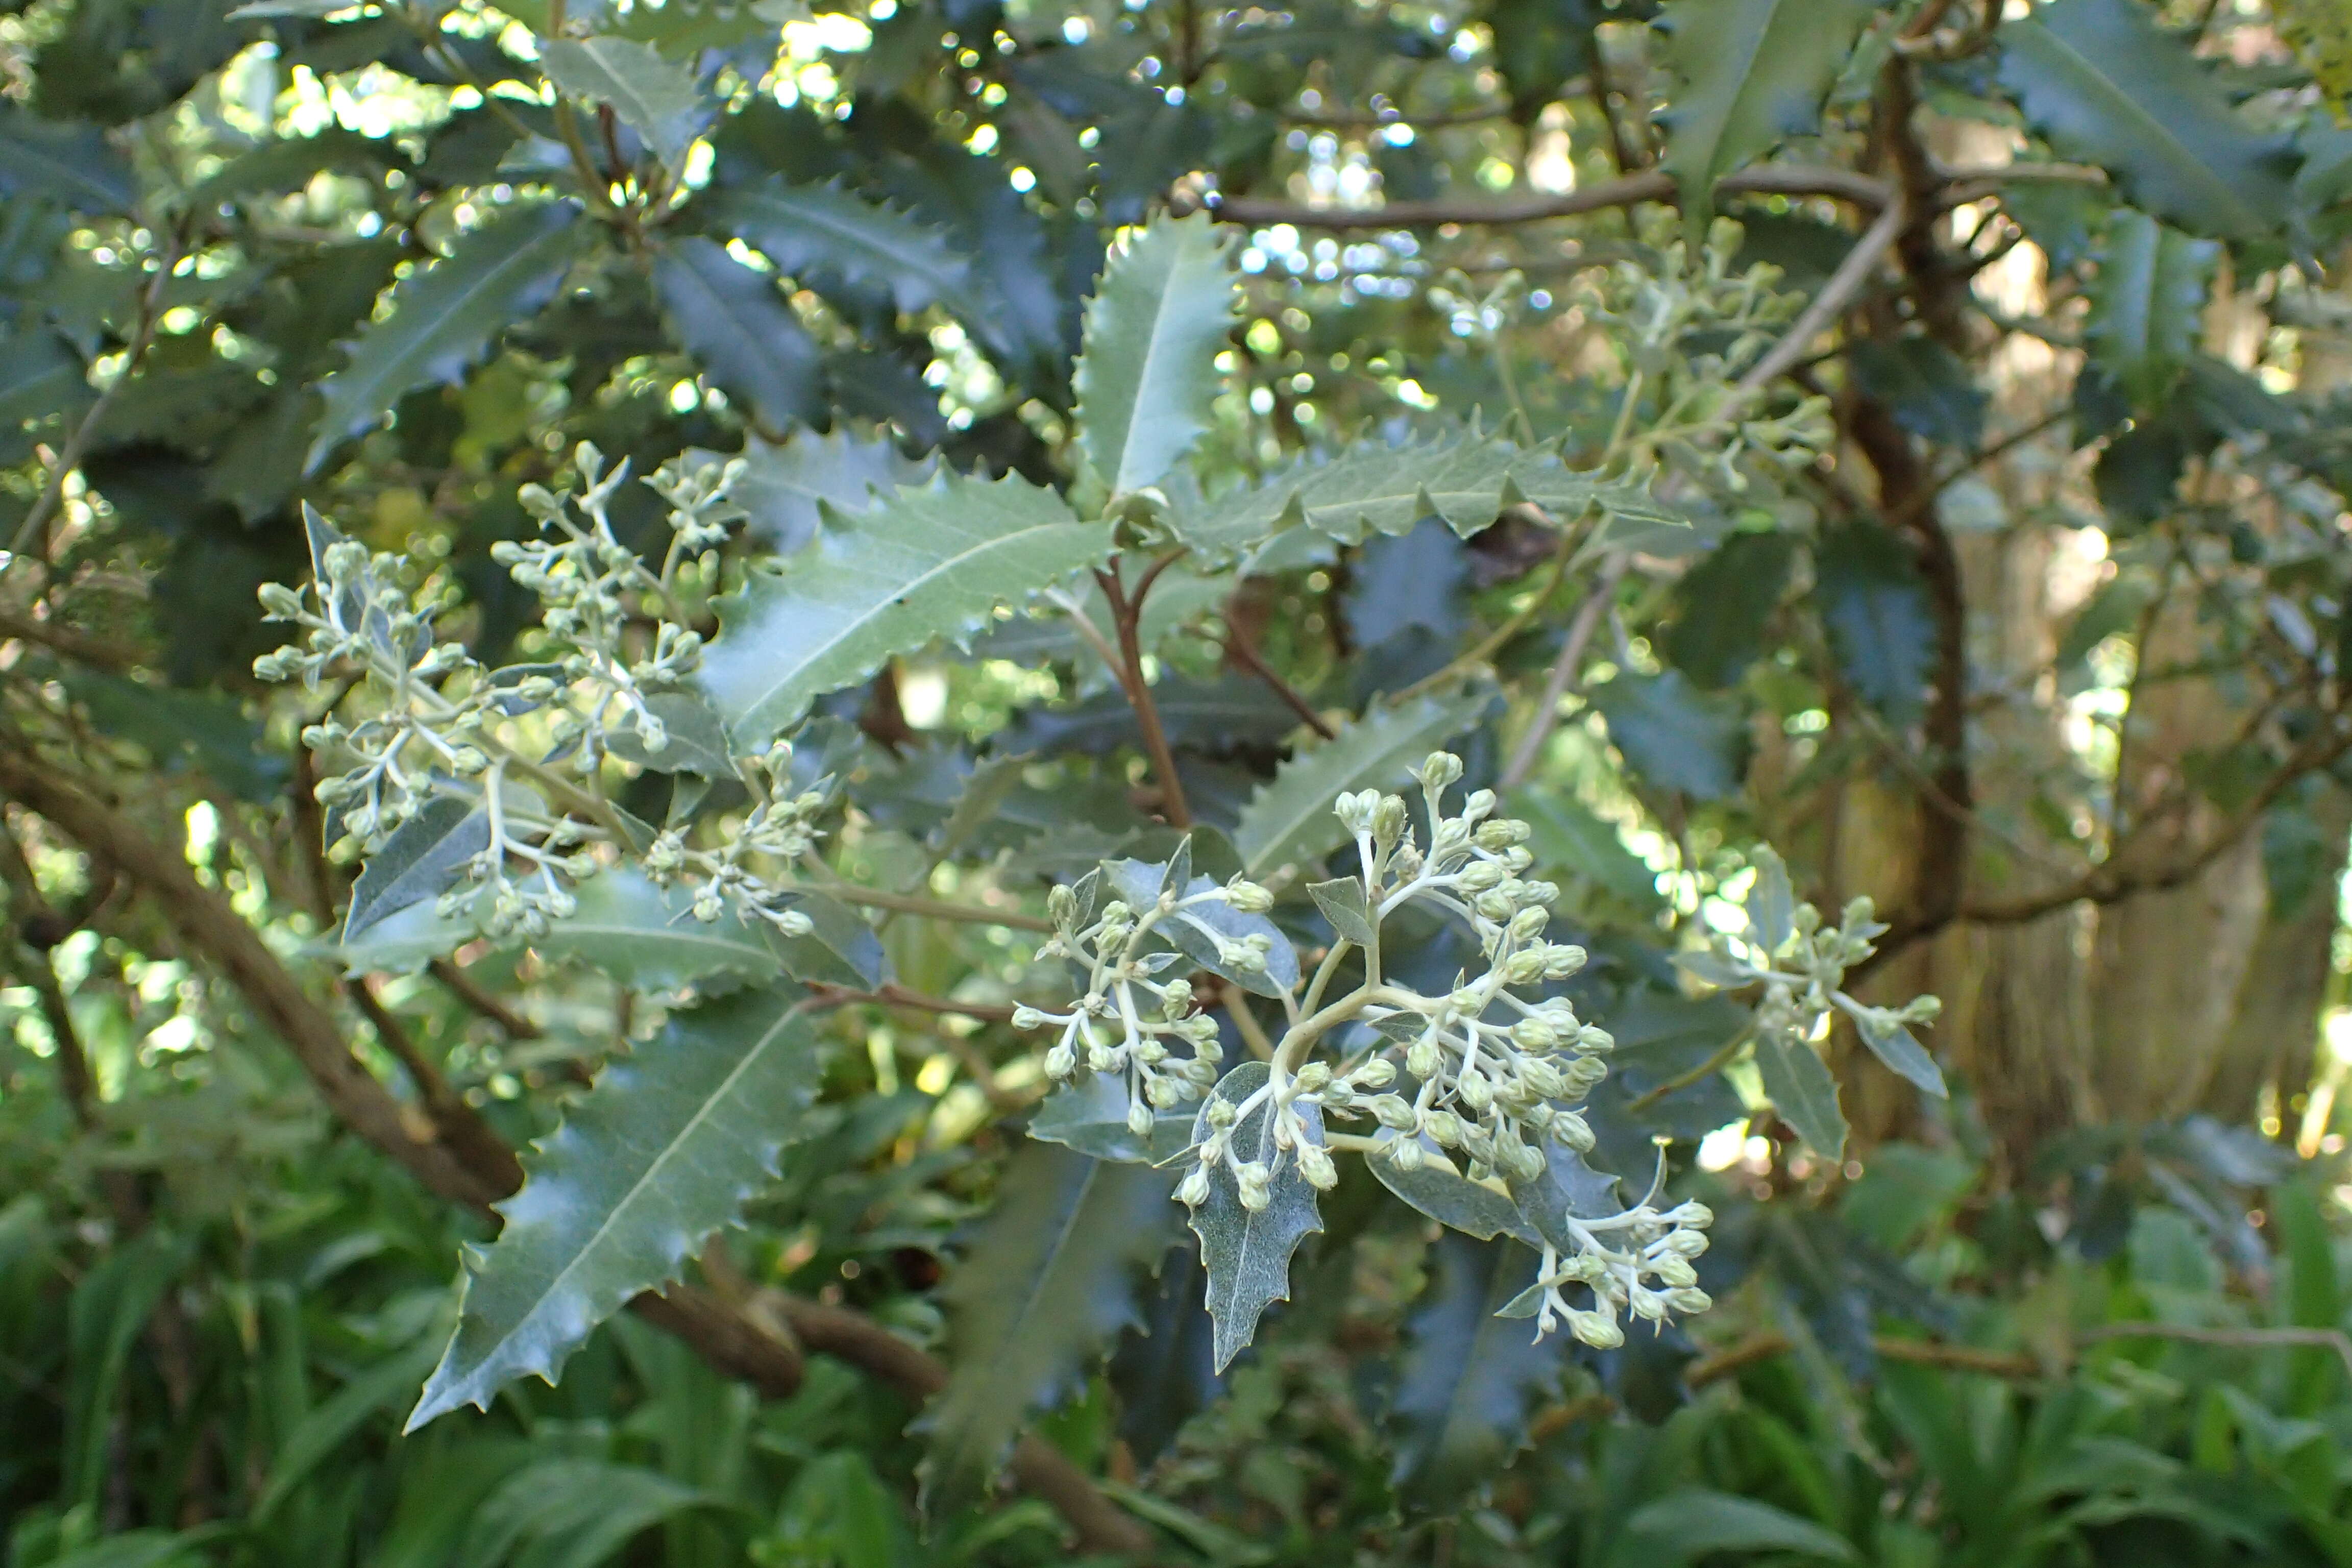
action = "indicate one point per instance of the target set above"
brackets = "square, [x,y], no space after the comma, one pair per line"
[1650,186]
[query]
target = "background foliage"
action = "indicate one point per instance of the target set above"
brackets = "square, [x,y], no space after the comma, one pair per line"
[2042,650]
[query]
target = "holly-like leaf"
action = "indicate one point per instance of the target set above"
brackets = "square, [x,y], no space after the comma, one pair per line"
[1049,1281]
[2147,304]
[39,378]
[1436,1189]
[1722,606]
[786,486]
[1467,1379]
[1465,477]
[1289,822]
[2103,83]
[1804,1091]
[1673,736]
[1140,883]
[656,98]
[831,233]
[74,163]
[1091,1117]
[924,563]
[1772,901]
[418,862]
[1245,1251]
[1925,385]
[1747,73]
[1874,605]
[1900,1050]
[1148,372]
[445,313]
[840,948]
[1566,1186]
[1163,1371]
[664,1150]
[729,317]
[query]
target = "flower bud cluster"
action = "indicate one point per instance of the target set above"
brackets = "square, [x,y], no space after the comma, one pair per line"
[434,724]
[1638,1264]
[1803,973]
[1491,1074]
[1136,1019]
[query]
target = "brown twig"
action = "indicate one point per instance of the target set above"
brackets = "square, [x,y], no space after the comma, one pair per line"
[1649,185]
[1237,647]
[1829,304]
[510,1022]
[1127,616]
[2239,1338]
[1563,676]
[64,640]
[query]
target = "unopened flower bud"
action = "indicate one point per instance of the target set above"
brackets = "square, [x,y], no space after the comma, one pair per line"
[1595,1329]
[1315,1164]
[1354,810]
[1695,1215]
[1394,1111]
[1028,1018]
[1378,1073]
[1406,1153]
[1499,835]
[1421,1058]
[1139,1119]
[1440,770]
[1475,1092]
[1248,897]
[1674,1271]
[1689,1299]
[1480,874]
[1193,1190]
[1574,1131]
[1445,1127]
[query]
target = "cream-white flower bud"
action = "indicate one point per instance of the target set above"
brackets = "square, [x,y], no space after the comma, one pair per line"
[1139,1119]
[1315,1164]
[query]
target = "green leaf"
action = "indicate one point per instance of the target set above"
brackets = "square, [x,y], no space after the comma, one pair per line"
[2101,83]
[641,935]
[1772,901]
[1148,372]
[39,378]
[840,949]
[1688,1524]
[1140,882]
[653,97]
[1568,1187]
[73,164]
[291,163]
[1894,1045]
[1464,476]
[1343,903]
[1091,1117]
[1289,822]
[697,740]
[373,1390]
[446,312]
[421,858]
[1874,605]
[664,1150]
[785,486]
[181,728]
[1722,606]
[1804,1091]
[1049,1281]
[731,318]
[2148,304]
[831,233]
[1927,387]
[1566,836]
[1436,1189]
[1467,1378]
[1747,73]
[1247,1252]
[574,1514]
[1672,736]
[925,564]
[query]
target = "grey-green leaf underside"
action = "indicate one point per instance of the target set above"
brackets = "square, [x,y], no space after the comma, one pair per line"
[1247,1252]
[923,564]
[1048,1282]
[663,1152]
[1804,1091]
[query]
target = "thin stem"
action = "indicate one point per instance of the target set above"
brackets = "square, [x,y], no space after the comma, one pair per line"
[1829,304]
[1126,615]
[931,908]
[1563,676]
[34,530]
[1238,648]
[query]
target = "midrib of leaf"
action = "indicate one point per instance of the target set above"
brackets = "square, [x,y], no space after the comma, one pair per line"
[661,1161]
[2144,246]
[2078,64]
[812,216]
[875,612]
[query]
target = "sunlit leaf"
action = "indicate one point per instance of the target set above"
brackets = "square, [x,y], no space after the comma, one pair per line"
[1289,822]
[665,1150]
[1148,372]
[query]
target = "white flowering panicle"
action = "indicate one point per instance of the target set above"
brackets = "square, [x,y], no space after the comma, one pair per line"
[527,746]
[1484,1072]
[1638,1264]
